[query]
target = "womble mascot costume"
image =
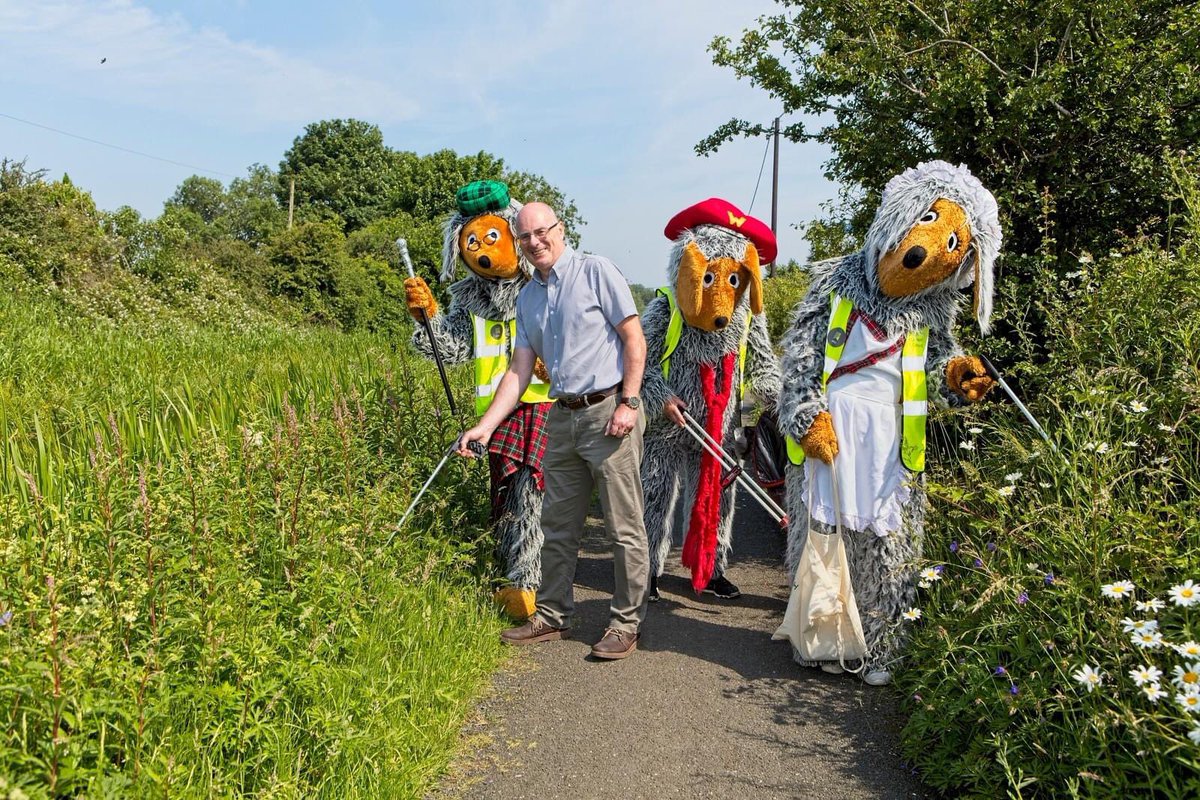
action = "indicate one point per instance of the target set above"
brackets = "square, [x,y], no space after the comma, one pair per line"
[869,345]
[480,324]
[706,341]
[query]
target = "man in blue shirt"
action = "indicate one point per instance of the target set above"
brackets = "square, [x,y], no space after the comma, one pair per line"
[578,316]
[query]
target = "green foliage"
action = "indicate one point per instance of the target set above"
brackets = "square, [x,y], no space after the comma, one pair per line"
[195,600]
[1028,535]
[1069,104]
[782,292]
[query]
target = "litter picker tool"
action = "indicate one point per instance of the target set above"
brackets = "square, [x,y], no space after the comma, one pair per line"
[402,246]
[476,448]
[714,449]
[995,375]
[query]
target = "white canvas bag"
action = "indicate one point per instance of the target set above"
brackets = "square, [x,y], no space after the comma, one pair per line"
[821,620]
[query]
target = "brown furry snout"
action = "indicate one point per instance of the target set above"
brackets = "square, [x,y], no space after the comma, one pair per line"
[709,291]
[931,252]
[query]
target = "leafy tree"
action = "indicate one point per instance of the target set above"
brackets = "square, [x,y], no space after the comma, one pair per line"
[252,212]
[203,196]
[1064,108]
[343,166]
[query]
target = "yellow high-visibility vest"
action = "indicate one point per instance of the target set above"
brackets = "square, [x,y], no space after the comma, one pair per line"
[914,392]
[492,339]
[675,331]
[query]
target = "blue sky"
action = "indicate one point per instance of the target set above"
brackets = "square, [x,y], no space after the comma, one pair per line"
[606,100]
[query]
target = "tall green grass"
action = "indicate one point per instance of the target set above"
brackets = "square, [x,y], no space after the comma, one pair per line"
[194,599]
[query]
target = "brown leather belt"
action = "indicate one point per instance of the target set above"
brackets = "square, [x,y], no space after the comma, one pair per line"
[578,401]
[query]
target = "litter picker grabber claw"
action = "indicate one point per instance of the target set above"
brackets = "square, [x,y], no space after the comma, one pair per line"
[402,246]
[476,448]
[714,449]
[995,375]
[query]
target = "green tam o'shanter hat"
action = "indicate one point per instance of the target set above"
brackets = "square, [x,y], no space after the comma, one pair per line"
[479,197]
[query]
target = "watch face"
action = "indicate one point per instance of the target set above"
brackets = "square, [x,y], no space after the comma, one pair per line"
[632,402]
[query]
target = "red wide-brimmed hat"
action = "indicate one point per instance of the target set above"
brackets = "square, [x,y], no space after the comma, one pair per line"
[715,211]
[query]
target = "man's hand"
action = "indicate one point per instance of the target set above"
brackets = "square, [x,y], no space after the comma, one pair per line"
[419,299]
[673,410]
[477,436]
[622,422]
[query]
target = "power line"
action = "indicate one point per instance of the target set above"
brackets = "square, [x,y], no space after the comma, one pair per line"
[117,146]
[760,172]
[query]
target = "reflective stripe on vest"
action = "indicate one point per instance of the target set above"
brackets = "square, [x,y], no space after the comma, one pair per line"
[492,339]
[914,387]
[675,332]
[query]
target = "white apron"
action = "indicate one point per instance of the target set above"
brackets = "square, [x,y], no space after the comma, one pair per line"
[865,407]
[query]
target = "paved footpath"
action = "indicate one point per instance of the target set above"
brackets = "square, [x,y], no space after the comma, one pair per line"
[709,706]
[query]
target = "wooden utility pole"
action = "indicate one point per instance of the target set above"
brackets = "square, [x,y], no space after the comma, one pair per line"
[775,195]
[292,195]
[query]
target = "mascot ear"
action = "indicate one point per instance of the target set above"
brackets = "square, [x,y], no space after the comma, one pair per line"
[754,277]
[689,286]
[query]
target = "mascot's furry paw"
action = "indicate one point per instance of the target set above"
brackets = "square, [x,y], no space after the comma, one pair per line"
[820,441]
[539,369]
[418,298]
[968,378]
[517,603]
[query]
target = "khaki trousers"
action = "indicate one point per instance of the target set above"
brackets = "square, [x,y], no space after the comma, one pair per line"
[579,457]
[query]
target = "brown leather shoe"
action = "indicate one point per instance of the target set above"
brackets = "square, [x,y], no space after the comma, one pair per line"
[615,644]
[532,632]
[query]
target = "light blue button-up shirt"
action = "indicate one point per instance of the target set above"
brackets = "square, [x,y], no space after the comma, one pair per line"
[569,320]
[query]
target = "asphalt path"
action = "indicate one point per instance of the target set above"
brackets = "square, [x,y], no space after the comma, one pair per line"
[708,707]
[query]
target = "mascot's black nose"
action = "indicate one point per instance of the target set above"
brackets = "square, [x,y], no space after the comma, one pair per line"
[486,262]
[912,259]
[721,322]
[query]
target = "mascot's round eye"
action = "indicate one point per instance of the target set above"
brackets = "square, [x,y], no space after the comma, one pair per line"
[733,280]
[708,279]
[492,236]
[472,240]
[930,216]
[952,245]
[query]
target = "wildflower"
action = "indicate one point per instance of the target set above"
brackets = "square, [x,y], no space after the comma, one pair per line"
[1117,589]
[978,563]
[5,618]
[1102,448]
[1044,484]
[1076,274]
[1049,579]
[1023,598]
[975,431]
[1189,701]
[912,615]
[924,584]
[999,670]
[1187,678]
[1148,640]
[1138,407]
[1089,677]
[1013,690]
[1162,461]
[1162,426]
[1013,477]
[1006,491]
[931,574]
[1145,674]
[130,617]
[953,547]
[1153,692]
[1185,594]
[1139,625]
[917,697]
[1153,604]
[939,568]
[1131,444]
[991,546]
[1085,257]
[1188,649]
[967,445]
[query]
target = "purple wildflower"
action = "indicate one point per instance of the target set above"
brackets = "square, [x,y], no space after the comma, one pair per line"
[1000,670]
[1023,598]
[954,547]
[991,546]
[5,618]
[939,568]
[978,562]
[917,697]
[1013,690]
[1049,579]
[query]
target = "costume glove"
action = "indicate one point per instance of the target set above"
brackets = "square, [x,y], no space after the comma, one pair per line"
[820,441]
[966,376]
[418,298]
[539,369]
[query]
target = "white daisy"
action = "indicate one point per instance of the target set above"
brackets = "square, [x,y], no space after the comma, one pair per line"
[931,574]
[1139,625]
[1138,407]
[1189,701]
[967,445]
[1013,477]
[1117,589]
[1162,461]
[1154,692]
[1089,677]
[1044,485]
[912,615]
[1162,426]
[1132,444]
[1147,673]
[1194,734]
[1153,604]
[924,584]
[1187,676]
[1006,491]
[1188,649]
[1185,594]
[1148,640]
[1102,448]
[974,431]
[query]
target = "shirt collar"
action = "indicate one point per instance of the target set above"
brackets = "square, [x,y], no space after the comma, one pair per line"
[560,266]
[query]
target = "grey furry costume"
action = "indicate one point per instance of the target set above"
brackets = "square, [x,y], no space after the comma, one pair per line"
[882,567]
[518,521]
[671,460]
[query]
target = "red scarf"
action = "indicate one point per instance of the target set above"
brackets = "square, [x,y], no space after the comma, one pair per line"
[700,546]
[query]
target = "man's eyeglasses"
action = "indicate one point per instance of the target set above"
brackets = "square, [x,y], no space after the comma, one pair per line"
[540,234]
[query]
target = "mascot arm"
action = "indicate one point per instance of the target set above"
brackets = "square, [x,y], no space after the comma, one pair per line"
[453,332]
[419,299]
[966,377]
[655,390]
[762,365]
[802,397]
